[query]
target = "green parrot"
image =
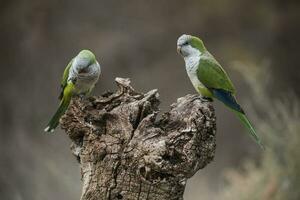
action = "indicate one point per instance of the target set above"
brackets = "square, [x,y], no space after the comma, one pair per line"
[209,78]
[79,78]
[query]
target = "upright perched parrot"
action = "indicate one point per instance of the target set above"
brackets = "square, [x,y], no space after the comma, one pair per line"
[209,78]
[79,78]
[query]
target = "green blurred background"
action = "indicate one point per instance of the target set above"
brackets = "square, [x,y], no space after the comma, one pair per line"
[255,41]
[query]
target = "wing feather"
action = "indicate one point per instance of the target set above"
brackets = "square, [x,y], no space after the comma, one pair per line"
[212,75]
[64,80]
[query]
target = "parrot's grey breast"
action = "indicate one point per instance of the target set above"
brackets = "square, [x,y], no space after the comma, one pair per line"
[192,62]
[191,65]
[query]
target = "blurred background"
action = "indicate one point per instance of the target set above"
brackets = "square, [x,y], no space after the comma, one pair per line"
[257,42]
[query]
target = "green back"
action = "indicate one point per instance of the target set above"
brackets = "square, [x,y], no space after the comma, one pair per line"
[64,80]
[197,43]
[212,75]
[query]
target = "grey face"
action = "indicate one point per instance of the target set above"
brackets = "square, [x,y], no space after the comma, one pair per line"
[82,64]
[184,48]
[183,40]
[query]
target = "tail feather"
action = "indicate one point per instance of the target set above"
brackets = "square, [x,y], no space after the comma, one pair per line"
[229,100]
[243,118]
[53,123]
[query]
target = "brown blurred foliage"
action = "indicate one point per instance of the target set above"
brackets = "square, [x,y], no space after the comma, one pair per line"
[277,175]
[135,39]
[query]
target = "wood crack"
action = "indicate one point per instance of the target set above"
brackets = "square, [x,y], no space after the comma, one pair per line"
[125,153]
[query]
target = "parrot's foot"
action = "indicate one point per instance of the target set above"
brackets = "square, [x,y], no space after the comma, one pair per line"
[208,99]
[82,96]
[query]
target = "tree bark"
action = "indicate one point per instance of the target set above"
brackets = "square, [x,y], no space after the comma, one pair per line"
[126,153]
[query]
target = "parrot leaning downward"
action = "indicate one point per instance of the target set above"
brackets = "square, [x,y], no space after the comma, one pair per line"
[79,78]
[209,78]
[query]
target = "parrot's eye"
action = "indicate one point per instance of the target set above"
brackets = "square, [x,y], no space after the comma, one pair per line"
[185,43]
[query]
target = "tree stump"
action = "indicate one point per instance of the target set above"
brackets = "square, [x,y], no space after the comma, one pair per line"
[126,153]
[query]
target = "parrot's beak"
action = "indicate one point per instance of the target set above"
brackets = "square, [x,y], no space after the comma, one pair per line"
[82,71]
[179,49]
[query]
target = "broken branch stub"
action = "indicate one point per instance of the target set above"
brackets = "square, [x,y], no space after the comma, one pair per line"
[126,153]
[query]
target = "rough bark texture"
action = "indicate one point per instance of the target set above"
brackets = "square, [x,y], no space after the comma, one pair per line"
[126,153]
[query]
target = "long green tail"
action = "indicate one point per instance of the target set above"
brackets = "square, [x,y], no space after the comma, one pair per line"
[230,101]
[63,106]
[250,128]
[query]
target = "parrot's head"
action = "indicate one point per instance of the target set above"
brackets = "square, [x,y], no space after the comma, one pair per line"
[84,60]
[188,45]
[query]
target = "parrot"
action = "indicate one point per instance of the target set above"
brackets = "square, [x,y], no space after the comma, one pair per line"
[79,78]
[209,78]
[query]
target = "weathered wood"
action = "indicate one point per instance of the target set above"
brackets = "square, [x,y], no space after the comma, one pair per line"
[126,153]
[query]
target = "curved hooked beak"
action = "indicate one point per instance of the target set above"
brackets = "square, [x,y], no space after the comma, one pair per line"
[83,70]
[179,49]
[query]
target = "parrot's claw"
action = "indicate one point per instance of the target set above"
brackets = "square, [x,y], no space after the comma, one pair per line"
[81,96]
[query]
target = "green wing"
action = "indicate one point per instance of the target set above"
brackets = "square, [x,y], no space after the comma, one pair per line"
[63,106]
[64,80]
[212,75]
